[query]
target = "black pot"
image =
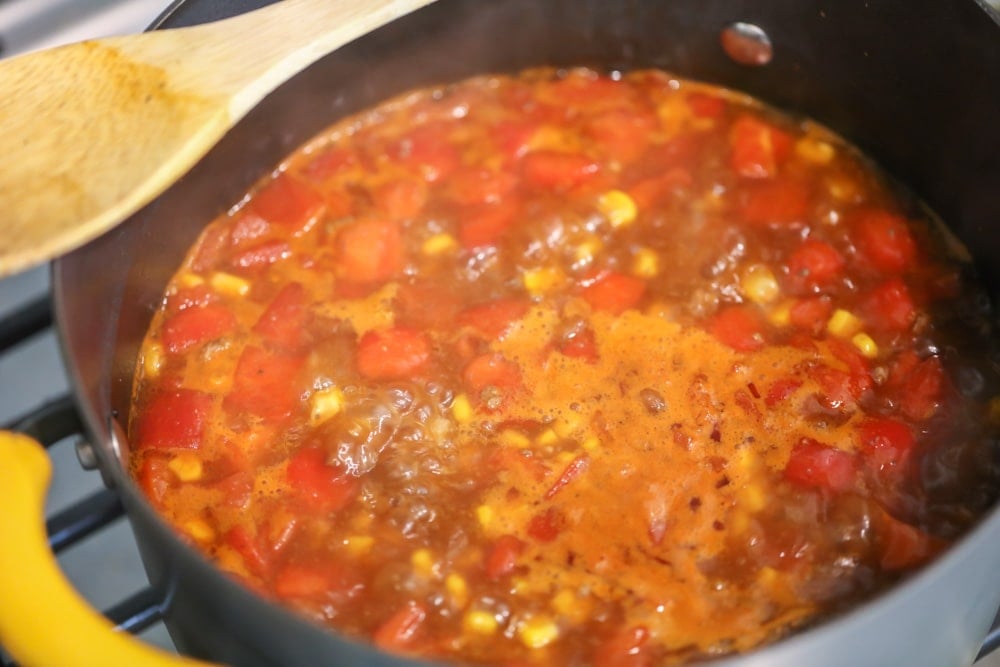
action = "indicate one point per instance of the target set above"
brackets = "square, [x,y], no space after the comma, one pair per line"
[914,84]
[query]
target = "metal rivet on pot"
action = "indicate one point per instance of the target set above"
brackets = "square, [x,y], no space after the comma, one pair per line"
[86,455]
[746,44]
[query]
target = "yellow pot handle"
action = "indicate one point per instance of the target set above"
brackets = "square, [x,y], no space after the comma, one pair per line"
[34,591]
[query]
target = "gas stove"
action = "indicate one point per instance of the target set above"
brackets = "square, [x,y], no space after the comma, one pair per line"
[104,565]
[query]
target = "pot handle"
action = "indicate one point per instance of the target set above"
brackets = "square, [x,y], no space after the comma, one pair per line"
[34,590]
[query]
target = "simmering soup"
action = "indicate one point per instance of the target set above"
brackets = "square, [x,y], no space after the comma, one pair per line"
[570,368]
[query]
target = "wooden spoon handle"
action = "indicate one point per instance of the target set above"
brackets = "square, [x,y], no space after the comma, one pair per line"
[95,130]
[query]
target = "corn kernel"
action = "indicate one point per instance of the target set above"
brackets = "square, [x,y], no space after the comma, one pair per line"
[324,404]
[538,632]
[189,279]
[199,530]
[152,360]
[815,151]
[591,443]
[514,438]
[359,545]
[461,409]
[767,576]
[439,244]
[540,281]
[865,345]
[480,622]
[568,425]
[547,437]
[569,605]
[759,284]
[753,497]
[645,263]
[617,207]
[843,324]
[843,189]
[423,563]
[228,284]
[457,589]
[485,515]
[781,315]
[187,466]
[587,250]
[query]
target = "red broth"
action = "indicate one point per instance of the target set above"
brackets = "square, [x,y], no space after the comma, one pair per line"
[570,368]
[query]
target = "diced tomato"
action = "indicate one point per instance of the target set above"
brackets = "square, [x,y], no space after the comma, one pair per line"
[884,240]
[193,326]
[810,314]
[580,344]
[740,327]
[625,648]
[261,255]
[399,631]
[703,105]
[757,149]
[886,443]
[321,487]
[211,249]
[400,199]
[922,390]
[483,225]
[494,317]
[780,203]
[330,162]
[502,557]
[394,353]
[283,322]
[244,541]
[513,138]
[781,390]
[247,227]
[428,152]
[237,488]
[369,250]
[264,383]
[491,370]
[648,192]
[553,170]
[480,186]
[174,419]
[889,306]
[857,366]
[195,296]
[288,202]
[574,469]
[546,525]
[155,477]
[328,581]
[814,464]
[614,292]
[815,264]
[621,135]
[904,546]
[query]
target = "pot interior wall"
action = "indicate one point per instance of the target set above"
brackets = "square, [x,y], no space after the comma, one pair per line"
[915,89]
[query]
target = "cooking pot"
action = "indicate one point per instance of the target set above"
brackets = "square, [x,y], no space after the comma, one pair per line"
[915,85]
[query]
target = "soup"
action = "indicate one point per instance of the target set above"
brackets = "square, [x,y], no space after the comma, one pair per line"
[570,368]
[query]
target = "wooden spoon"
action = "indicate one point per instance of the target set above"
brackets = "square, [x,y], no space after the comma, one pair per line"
[93,131]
